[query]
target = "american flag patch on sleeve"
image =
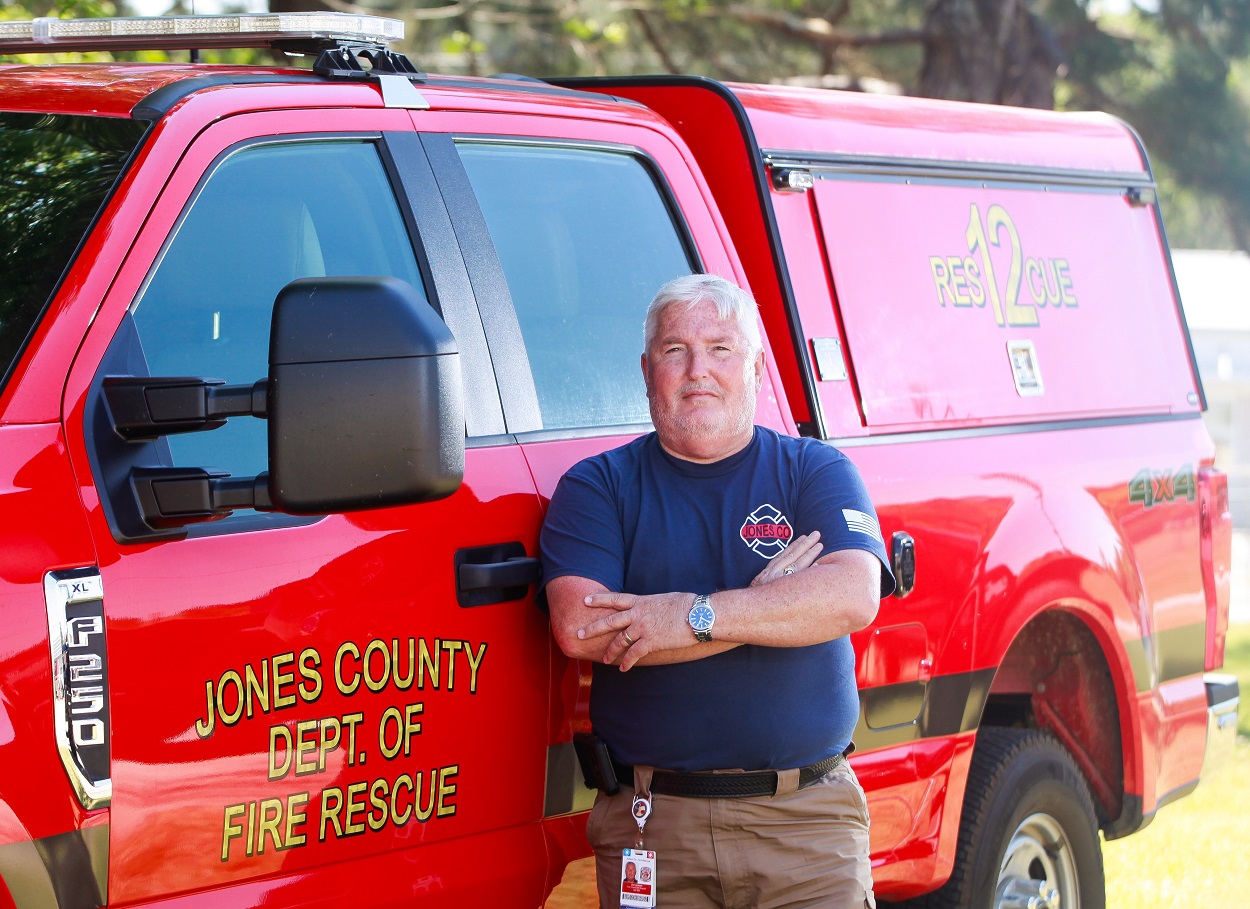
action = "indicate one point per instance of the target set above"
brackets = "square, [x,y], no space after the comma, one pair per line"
[861,522]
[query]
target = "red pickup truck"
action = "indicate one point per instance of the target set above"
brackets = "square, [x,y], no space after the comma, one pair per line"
[293,358]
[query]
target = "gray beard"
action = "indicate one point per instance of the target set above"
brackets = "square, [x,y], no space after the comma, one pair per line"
[703,425]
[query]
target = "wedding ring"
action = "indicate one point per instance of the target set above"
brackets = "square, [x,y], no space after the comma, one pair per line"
[628,639]
[789,570]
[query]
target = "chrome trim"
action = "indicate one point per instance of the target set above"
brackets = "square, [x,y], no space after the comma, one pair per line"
[832,163]
[69,630]
[1223,699]
[554,143]
[399,92]
[912,436]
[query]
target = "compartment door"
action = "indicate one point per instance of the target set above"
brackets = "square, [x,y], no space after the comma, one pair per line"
[967,302]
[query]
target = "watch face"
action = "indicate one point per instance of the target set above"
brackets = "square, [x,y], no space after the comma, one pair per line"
[701,618]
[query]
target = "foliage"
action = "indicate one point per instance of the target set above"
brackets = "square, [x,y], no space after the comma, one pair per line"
[1175,69]
[81,9]
[1173,74]
[56,172]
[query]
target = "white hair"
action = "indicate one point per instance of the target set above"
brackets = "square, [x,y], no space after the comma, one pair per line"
[731,301]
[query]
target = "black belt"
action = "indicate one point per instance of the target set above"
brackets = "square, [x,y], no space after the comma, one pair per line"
[725,785]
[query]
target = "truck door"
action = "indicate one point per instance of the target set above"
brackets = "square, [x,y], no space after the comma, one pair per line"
[582,225]
[308,709]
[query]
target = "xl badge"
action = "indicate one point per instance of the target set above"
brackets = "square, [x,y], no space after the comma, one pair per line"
[767,531]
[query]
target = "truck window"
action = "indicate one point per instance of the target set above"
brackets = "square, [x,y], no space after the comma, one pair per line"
[266,215]
[585,238]
[57,171]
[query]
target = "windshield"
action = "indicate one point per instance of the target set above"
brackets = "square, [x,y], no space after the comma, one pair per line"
[55,173]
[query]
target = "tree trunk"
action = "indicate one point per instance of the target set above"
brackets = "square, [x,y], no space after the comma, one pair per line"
[992,51]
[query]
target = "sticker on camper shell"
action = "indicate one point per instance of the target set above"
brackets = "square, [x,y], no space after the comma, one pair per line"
[1030,285]
[1024,368]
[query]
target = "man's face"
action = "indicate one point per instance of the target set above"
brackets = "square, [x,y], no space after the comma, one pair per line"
[702,378]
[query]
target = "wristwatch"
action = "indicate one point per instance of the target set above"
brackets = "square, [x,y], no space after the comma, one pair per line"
[702,617]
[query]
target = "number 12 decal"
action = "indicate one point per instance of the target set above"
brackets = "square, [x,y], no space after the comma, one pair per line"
[997,219]
[969,281]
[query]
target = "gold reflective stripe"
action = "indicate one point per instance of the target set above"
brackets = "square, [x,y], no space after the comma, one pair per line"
[1168,655]
[65,871]
[566,789]
[945,705]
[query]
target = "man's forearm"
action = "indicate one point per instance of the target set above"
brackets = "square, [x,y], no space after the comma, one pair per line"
[569,614]
[836,596]
[826,601]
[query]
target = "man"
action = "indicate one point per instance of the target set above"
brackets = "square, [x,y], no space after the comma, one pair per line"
[713,570]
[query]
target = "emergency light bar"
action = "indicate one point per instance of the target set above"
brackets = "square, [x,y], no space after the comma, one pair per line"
[296,32]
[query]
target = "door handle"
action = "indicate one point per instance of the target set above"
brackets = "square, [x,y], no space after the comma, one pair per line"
[494,574]
[523,570]
[903,561]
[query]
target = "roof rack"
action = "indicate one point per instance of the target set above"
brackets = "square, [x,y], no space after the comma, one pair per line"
[290,32]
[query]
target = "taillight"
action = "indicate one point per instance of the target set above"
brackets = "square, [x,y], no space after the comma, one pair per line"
[1217,557]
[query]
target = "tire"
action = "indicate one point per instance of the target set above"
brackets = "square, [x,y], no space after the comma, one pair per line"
[1028,838]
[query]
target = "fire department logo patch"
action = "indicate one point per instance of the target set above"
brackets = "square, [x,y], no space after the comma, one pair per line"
[767,531]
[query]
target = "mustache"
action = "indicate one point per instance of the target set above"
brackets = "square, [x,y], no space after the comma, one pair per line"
[690,387]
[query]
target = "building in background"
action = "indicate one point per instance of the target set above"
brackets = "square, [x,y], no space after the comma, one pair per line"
[1215,294]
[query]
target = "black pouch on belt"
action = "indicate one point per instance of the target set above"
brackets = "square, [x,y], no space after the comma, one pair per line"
[596,763]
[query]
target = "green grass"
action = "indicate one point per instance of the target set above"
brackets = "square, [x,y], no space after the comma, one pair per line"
[1237,661]
[1193,854]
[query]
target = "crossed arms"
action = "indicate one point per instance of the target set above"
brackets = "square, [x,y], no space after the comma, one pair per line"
[800,598]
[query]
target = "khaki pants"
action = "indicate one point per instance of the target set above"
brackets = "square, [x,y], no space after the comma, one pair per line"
[799,848]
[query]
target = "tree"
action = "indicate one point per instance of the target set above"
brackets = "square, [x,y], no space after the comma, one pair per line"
[1177,70]
[1173,73]
[988,51]
[30,9]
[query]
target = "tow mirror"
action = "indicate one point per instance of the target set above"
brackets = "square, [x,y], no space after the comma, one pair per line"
[366,406]
[364,402]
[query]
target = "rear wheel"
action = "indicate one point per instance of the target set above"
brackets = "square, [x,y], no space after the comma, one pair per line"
[1028,838]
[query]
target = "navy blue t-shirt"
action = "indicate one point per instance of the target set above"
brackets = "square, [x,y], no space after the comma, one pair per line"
[639,520]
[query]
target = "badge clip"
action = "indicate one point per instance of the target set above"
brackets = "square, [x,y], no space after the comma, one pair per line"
[641,810]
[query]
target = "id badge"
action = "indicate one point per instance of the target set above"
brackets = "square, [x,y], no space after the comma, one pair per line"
[637,878]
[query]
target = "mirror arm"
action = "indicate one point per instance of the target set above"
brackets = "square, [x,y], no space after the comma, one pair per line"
[230,493]
[171,497]
[239,400]
[143,408]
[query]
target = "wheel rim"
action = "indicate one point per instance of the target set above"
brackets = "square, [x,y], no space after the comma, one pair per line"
[1039,868]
